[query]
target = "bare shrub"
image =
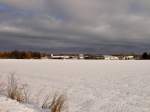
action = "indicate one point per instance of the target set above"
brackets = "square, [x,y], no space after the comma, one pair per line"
[57,104]
[15,90]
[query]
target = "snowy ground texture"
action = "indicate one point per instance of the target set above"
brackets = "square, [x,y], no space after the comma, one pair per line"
[7,105]
[90,86]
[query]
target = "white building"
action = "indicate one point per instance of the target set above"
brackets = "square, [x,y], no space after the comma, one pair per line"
[59,56]
[128,58]
[109,57]
[81,56]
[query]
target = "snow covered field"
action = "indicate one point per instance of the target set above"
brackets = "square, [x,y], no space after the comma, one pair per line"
[91,86]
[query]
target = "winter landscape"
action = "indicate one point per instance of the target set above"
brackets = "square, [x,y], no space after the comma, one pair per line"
[74,56]
[89,85]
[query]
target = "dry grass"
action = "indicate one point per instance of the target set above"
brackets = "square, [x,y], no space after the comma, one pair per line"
[15,90]
[57,104]
[19,92]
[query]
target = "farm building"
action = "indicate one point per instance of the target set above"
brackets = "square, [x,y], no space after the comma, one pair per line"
[110,57]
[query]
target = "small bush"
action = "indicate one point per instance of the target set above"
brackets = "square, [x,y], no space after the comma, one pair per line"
[57,104]
[15,90]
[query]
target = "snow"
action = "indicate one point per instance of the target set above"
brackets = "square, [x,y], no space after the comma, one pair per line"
[90,85]
[8,105]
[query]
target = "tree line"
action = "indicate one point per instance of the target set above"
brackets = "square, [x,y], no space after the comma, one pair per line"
[38,55]
[145,56]
[21,55]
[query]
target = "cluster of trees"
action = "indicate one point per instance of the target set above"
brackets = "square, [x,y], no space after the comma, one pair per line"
[145,56]
[95,57]
[21,55]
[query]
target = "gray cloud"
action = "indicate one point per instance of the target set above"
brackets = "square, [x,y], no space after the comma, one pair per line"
[101,26]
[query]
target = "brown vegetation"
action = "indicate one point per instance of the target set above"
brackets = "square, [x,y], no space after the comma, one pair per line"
[57,104]
[16,91]
[21,55]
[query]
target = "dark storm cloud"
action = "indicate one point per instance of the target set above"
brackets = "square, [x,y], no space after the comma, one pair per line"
[75,26]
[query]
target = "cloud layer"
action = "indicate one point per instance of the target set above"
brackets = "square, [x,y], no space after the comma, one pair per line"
[98,26]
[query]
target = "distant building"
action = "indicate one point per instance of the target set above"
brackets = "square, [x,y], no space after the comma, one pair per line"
[60,56]
[81,56]
[110,57]
[128,58]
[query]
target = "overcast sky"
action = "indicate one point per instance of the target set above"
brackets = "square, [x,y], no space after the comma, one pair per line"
[96,26]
